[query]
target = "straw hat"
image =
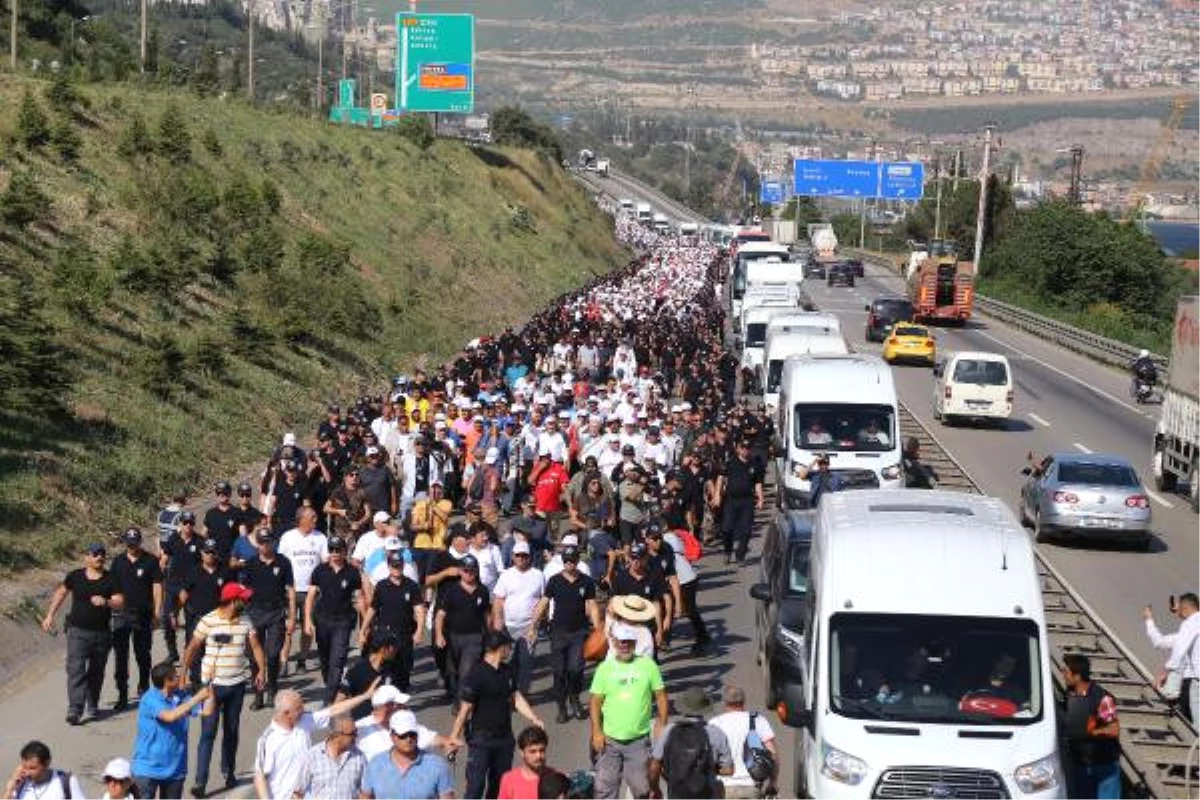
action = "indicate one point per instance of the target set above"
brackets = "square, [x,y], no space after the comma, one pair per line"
[632,608]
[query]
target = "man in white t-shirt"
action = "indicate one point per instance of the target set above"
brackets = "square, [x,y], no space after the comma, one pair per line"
[514,598]
[491,563]
[735,724]
[374,735]
[280,753]
[305,547]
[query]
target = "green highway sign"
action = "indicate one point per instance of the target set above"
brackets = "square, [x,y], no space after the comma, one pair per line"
[435,62]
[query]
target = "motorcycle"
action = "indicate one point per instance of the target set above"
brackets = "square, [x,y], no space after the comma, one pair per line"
[1141,390]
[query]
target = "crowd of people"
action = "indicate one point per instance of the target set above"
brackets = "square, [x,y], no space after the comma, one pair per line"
[544,496]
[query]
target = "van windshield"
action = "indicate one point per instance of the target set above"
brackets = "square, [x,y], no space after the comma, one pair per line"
[981,373]
[756,334]
[940,669]
[838,427]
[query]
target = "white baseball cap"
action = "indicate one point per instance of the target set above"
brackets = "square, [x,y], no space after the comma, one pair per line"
[624,632]
[289,440]
[391,543]
[403,722]
[118,768]
[493,455]
[569,539]
[381,516]
[521,547]
[389,694]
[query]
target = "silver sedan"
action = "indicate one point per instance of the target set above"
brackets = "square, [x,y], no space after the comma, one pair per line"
[1086,496]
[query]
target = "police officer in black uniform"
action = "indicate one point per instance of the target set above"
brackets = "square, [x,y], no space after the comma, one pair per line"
[272,608]
[141,582]
[335,593]
[220,521]
[463,612]
[247,516]
[398,605]
[637,578]
[201,593]
[575,612]
[180,555]
[741,489]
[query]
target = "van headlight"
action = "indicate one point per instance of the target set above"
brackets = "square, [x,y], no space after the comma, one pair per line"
[796,469]
[841,767]
[891,473]
[1038,776]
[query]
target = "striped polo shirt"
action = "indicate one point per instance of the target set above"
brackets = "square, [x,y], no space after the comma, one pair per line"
[225,660]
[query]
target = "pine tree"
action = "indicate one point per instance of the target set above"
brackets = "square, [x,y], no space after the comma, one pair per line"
[33,129]
[174,139]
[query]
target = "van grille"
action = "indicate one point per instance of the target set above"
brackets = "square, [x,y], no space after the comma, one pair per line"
[857,478]
[940,782]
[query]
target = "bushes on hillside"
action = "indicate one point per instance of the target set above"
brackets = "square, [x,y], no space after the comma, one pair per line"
[514,126]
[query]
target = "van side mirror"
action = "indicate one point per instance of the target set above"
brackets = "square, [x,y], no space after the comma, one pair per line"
[867,308]
[1026,470]
[797,718]
[760,591]
[937,370]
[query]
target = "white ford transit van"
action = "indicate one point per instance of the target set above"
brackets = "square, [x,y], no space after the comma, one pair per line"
[972,386]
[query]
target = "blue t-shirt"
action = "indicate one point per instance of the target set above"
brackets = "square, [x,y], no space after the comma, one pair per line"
[428,777]
[160,750]
[244,549]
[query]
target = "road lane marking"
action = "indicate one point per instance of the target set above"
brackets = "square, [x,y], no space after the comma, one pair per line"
[1066,374]
[1038,420]
[1081,448]
[1162,501]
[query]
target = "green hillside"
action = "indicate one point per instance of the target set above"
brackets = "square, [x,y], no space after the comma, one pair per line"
[182,279]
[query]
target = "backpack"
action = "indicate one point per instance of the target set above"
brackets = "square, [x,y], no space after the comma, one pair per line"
[688,761]
[692,549]
[757,758]
[64,781]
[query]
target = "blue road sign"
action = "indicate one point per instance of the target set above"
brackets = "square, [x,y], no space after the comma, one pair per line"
[902,180]
[771,192]
[893,180]
[829,178]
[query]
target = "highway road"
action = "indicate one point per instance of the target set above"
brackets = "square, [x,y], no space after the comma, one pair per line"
[1064,402]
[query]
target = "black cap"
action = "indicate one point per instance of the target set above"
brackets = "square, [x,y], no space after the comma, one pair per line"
[343,428]
[337,543]
[245,489]
[469,562]
[654,529]
[187,516]
[570,553]
[223,488]
[637,550]
[628,450]
[131,536]
[97,549]
[496,640]
[334,408]
[396,558]
[265,536]
[209,546]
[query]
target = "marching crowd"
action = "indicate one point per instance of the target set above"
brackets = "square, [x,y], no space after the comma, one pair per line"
[545,496]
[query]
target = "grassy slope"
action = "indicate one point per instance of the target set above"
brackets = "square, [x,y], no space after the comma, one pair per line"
[431,236]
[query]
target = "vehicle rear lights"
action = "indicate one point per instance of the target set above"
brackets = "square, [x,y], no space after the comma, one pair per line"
[1137,501]
[1009,397]
[1065,497]
[892,340]
[947,393]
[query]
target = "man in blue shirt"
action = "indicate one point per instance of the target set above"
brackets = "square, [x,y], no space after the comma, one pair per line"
[406,770]
[159,763]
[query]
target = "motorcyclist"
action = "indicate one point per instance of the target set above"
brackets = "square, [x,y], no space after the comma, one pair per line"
[1145,373]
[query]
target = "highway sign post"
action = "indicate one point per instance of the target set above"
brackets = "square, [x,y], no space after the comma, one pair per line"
[435,62]
[889,180]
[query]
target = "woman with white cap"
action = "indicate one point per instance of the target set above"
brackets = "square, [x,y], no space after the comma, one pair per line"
[118,781]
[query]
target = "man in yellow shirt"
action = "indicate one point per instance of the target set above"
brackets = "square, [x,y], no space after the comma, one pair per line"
[430,518]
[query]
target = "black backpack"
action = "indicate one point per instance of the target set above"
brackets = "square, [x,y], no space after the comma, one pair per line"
[757,758]
[688,761]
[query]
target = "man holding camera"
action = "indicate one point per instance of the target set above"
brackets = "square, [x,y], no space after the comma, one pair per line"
[1178,678]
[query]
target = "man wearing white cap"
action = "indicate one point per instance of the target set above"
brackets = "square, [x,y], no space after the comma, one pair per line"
[374,734]
[405,770]
[514,599]
[118,780]
[555,564]
[626,691]
[368,552]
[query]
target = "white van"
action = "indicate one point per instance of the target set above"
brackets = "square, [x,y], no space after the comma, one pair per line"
[844,407]
[785,295]
[972,385]
[924,653]
[785,344]
[752,331]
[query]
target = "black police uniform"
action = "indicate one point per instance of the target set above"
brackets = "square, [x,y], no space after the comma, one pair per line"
[203,588]
[136,578]
[465,624]
[335,619]
[569,627]
[183,555]
[268,607]
[395,604]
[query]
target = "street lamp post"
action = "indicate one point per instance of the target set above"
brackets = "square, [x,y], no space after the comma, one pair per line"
[12,38]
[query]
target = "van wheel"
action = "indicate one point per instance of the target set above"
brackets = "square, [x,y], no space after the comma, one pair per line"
[1021,515]
[1143,544]
[949,420]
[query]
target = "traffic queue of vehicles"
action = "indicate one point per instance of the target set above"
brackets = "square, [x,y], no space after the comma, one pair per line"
[903,632]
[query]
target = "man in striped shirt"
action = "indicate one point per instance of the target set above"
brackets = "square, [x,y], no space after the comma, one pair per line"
[222,636]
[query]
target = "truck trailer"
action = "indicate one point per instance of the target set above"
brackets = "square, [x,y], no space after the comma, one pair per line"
[1177,438]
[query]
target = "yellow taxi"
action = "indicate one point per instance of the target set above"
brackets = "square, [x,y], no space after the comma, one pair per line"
[908,341]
